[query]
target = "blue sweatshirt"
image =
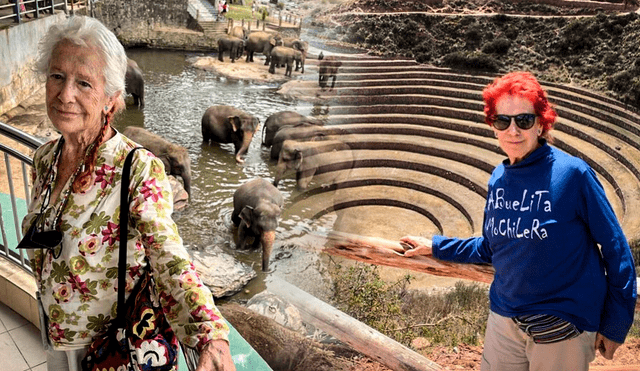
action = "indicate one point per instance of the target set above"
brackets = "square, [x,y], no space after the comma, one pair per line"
[543,221]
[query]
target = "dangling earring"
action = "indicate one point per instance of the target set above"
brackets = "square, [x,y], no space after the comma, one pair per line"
[106,109]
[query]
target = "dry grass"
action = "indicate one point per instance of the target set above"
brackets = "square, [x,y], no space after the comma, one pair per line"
[446,318]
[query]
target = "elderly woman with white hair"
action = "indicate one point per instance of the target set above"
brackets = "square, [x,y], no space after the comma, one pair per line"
[76,202]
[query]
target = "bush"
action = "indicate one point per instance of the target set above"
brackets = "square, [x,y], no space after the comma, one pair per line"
[497,46]
[577,36]
[362,294]
[471,61]
[264,12]
[474,33]
[626,85]
[445,319]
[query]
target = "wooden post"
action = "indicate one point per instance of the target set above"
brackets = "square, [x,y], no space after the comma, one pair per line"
[242,22]
[356,334]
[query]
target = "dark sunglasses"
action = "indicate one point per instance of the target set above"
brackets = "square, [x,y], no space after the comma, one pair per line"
[34,239]
[524,121]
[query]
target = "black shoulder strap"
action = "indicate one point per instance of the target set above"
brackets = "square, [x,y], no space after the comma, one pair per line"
[124,230]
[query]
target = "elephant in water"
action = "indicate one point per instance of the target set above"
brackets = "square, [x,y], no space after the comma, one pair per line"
[327,159]
[226,124]
[257,205]
[278,120]
[134,83]
[174,157]
[302,132]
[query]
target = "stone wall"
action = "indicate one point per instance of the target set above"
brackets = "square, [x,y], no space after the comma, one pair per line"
[135,21]
[18,80]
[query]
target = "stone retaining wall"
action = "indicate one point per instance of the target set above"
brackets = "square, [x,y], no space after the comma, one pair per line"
[157,24]
[131,15]
[17,55]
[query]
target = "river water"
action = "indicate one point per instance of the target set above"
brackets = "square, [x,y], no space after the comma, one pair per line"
[176,97]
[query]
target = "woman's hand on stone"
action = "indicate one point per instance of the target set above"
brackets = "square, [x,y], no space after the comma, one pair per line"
[415,246]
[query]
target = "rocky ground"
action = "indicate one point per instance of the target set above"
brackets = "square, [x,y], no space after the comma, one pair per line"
[599,52]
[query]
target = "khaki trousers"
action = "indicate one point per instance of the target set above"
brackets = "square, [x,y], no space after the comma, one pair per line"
[507,348]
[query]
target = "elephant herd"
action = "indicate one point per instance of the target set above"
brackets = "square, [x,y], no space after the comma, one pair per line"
[301,145]
[278,51]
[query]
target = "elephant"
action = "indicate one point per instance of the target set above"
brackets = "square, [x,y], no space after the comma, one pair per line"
[134,83]
[262,42]
[281,119]
[174,157]
[234,45]
[300,132]
[328,68]
[239,32]
[284,55]
[257,205]
[226,124]
[297,44]
[308,157]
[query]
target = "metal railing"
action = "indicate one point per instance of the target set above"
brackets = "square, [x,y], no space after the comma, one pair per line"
[6,249]
[19,10]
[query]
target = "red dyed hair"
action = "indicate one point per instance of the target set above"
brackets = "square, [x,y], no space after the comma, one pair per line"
[521,84]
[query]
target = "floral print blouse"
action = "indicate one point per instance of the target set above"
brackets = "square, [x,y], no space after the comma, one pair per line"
[78,289]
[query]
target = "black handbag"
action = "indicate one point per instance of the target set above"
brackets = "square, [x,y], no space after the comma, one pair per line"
[140,337]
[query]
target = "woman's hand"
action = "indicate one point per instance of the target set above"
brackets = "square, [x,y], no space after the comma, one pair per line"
[415,246]
[605,346]
[216,356]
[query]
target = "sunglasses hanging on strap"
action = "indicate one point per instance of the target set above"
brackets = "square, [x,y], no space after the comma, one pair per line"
[36,237]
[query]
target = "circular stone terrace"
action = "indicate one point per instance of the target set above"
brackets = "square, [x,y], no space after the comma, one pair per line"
[421,154]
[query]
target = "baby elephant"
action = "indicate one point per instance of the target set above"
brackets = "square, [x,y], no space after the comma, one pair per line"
[175,158]
[257,205]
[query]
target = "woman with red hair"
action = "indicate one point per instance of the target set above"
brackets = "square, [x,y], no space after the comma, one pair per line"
[565,282]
